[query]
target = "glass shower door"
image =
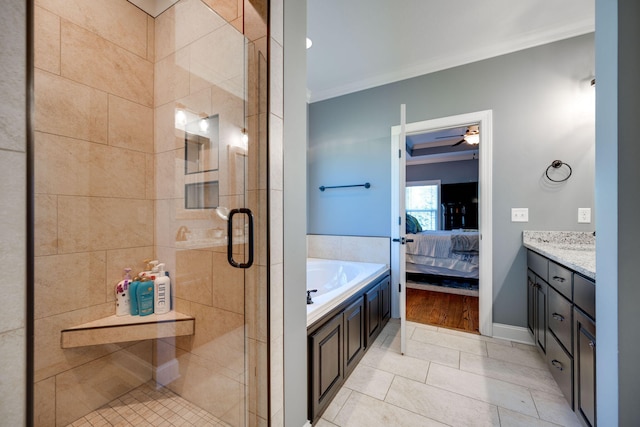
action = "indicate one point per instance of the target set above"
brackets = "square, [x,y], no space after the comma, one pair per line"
[201,172]
[143,137]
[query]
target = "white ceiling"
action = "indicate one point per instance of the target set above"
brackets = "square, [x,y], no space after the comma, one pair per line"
[359,44]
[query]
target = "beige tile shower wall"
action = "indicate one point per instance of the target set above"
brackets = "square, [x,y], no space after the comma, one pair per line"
[94,208]
[13,211]
[350,248]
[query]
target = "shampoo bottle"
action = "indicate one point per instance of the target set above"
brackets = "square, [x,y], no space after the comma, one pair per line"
[122,294]
[144,294]
[133,296]
[162,291]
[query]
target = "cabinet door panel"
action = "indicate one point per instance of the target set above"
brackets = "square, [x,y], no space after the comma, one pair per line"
[385,300]
[541,314]
[373,314]
[585,359]
[328,352]
[354,334]
[531,304]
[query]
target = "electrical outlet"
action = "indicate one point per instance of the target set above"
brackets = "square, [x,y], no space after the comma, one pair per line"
[519,214]
[584,215]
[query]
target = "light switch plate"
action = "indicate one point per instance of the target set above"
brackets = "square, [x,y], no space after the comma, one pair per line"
[519,214]
[584,215]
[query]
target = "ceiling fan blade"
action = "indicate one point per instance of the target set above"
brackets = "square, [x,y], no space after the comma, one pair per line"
[458,143]
[448,136]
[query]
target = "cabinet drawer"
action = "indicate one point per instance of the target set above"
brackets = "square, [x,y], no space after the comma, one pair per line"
[561,279]
[585,295]
[538,264]
[560,319]
[561,367]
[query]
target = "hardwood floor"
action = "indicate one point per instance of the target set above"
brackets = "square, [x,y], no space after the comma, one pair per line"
[441,309]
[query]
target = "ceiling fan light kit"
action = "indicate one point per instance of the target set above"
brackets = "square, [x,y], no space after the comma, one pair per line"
[473,139]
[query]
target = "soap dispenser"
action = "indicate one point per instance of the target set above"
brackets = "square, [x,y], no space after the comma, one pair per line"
[123,294]
[152,268]
[162,291]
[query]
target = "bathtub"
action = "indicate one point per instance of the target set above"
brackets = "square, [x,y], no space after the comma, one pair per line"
[336,281]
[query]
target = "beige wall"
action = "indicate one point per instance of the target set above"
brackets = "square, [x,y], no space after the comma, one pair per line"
[12,212]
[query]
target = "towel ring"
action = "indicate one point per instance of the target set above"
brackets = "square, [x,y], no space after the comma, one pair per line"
[556,164]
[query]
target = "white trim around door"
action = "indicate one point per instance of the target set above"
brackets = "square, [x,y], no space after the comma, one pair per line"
[485,186]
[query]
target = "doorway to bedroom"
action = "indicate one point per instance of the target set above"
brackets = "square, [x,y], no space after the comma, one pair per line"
[444,197]
[441,205]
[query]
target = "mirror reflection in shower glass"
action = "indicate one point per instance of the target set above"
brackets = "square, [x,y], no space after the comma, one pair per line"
[201,145]
[201,195]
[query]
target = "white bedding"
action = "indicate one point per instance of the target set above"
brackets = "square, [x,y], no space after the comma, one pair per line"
[432,252]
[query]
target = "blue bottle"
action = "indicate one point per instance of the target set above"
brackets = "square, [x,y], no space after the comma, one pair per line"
[144,294]
[133,296]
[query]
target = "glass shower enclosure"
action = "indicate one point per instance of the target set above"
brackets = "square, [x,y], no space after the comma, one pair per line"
[147,146]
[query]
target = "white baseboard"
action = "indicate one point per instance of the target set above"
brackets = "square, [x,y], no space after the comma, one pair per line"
[307,424]
[512,333]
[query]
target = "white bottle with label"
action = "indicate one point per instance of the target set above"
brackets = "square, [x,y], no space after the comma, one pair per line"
[162,297]
[122,294]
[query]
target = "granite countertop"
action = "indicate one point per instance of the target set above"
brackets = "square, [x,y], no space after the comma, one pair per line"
[575,250]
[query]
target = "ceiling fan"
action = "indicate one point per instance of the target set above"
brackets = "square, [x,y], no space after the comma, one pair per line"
[471,136]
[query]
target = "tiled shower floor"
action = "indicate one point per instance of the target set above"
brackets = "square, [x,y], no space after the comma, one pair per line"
[147,406]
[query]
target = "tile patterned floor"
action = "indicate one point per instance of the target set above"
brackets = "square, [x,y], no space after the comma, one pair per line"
[449,378]
[147,406]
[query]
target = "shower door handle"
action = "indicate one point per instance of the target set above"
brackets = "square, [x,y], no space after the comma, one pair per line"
[233,262]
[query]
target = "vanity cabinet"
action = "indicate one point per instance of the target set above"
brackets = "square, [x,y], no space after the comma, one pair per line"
[338,341]
[561,319]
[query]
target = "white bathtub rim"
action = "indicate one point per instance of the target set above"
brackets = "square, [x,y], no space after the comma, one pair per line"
[317,312]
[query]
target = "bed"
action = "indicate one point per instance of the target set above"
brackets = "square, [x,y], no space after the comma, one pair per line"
[450,253]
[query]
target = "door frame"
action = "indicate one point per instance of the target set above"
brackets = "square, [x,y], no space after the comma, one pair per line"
[485,204]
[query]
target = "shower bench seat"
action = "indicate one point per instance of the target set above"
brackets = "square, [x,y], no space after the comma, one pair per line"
[114,329]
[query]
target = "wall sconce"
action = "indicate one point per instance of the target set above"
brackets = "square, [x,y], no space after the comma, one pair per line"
[245,136]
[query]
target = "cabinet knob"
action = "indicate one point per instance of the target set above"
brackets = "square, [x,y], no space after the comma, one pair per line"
[557,364]
[559,279]
[558,317]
